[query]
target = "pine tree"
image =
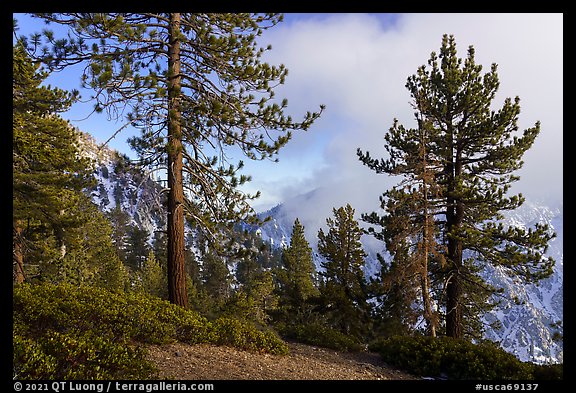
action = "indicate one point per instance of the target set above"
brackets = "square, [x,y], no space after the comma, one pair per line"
[192,262]
[159,246]
[137,247]
[48,172]
[344,288]
[246,270]
[297,276]
[477,151]
[408,227]
[92,248]
[90,256]
[395,293]
[120,221]
[153,278]
[269,256]
[216,276]
[194,84]
[261,296]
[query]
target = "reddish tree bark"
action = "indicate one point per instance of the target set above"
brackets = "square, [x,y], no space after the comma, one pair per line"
[18,253]
[176,262]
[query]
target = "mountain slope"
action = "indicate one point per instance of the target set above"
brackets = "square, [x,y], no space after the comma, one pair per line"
[121,185]
[530,312]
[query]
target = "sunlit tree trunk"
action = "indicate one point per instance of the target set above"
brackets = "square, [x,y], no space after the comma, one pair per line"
[176,245]
[18,253]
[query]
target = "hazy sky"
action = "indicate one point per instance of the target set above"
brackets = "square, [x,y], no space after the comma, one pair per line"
[357,65]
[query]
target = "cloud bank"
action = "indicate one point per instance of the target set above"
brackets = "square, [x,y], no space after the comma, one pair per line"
[357,65]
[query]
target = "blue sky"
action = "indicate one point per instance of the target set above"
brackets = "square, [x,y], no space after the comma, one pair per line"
[357,65]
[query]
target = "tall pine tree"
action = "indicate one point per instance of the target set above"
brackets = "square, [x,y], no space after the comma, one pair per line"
[344,289]
[48,172]
[297,276]
[476,151]
[195,85]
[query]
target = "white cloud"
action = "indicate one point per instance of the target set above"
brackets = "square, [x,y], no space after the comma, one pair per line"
[358,67]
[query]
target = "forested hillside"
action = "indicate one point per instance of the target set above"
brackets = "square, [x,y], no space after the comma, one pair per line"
[529,314]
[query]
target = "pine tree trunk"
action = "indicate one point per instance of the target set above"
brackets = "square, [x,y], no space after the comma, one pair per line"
[428,312]
[176,266]
[454,220]
[453,290]
[59,233]
[427,239]
[18,253]
[425,286]
[453,307]
[424,283]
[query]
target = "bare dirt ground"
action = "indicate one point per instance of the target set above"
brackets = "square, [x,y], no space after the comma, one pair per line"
[208,362]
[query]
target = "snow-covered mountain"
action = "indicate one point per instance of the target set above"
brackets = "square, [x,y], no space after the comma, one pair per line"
[531,315]
[120,185]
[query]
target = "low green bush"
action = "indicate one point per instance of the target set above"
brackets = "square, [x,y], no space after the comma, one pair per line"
[451,358]
[78,355]
[321,336]
[30,359]
[80,332]
[134,316]
[548,371]
[244,335]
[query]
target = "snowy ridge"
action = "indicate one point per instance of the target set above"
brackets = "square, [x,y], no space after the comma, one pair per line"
[123,186]
[529,313]
[89,148]
[278,230]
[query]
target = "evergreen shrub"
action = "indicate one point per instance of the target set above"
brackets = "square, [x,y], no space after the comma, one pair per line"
[548,371]
[451,358]
[81,332]
[245,335]
[321,336]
